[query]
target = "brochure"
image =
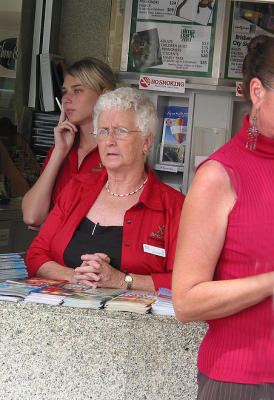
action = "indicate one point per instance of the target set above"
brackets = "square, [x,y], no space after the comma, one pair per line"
[174,135]
[130,301]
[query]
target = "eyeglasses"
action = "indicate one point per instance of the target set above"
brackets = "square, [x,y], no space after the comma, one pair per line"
[118,133]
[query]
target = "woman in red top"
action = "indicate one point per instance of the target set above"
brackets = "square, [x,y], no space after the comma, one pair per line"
[223,270]
[75,148]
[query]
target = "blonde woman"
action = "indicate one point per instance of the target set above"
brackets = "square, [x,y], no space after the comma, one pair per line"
[75,150]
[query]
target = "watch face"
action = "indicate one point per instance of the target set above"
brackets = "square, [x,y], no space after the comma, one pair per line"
[128,279]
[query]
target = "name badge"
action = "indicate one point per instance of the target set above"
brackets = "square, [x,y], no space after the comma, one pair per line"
[158,251]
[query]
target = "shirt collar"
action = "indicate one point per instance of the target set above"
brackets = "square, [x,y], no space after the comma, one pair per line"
[151,195]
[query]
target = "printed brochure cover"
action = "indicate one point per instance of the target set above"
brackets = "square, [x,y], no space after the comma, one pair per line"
[174,135]
[132,302]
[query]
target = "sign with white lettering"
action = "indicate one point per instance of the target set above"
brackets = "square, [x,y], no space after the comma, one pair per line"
[247,20]
[173,37]
[168,168]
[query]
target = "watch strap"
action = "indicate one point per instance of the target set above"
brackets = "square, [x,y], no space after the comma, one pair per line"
[128,280]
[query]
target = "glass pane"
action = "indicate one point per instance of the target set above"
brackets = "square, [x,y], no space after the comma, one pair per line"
[10,16]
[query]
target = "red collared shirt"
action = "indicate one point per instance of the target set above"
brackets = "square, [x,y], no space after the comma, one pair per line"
[91,163]
[152,221]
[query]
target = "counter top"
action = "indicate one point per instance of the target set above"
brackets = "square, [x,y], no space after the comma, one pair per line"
[55,352]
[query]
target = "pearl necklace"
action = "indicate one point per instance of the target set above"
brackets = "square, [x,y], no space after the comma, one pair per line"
[127,194]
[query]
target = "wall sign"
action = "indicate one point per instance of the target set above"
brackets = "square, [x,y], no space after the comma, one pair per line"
[8,56]
[162,83]
[247,20]
[173,37]
[239,89]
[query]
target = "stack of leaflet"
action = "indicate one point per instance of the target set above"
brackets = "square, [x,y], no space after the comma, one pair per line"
[50,286]
[44,281]
[163,305]
[12,266]
[91,297]
[15,291]
[56,292]
[43,298]
[132,302]
[52,295]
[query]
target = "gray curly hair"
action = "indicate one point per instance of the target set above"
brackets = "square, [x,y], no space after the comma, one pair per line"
[126,98]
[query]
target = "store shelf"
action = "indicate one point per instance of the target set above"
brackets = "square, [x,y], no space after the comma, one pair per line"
[132,78]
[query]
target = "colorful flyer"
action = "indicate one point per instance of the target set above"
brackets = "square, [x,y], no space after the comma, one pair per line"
[174,135]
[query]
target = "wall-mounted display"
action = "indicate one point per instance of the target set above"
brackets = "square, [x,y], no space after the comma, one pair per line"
[247,19]
[171,37]
[8,55]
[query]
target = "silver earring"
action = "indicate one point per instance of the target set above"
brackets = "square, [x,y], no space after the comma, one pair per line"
[252,134]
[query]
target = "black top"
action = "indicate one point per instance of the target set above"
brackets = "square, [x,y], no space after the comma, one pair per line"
[92,238]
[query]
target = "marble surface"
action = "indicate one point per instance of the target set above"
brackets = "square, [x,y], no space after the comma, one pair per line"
[49,352]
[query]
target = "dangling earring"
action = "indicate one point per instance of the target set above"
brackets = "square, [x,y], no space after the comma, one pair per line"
[252,134]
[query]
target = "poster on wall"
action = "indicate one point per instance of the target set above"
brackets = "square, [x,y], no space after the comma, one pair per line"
[247,20]
[8,55]
[172,36]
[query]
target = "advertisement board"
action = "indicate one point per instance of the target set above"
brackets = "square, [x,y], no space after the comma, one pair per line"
[247,20]
[172,37]
[8,54]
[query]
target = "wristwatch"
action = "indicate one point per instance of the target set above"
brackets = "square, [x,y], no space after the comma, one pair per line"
[129,281]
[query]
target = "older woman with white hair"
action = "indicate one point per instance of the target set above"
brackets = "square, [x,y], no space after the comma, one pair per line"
[117,230]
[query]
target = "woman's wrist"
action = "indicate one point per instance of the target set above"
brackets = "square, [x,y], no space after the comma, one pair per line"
[122,283]
[59,154]
[268,283]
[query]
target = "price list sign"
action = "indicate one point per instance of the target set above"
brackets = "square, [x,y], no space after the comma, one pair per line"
[247,20]
[171,36]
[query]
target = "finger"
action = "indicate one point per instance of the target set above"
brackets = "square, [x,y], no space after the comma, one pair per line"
[91,257]
[67,125]
[103,256]
[91,266]
[89,283]
[90,273]
[88,276]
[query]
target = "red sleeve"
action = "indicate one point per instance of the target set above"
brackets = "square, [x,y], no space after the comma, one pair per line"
[163,279]
[39,250]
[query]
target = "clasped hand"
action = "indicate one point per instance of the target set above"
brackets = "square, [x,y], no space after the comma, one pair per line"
[96,271]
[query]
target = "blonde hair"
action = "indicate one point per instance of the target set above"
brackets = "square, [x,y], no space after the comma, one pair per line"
[93,73]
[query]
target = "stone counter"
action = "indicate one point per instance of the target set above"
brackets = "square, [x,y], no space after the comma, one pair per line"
[55,352]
